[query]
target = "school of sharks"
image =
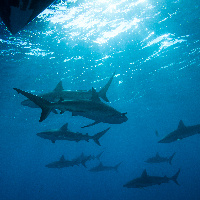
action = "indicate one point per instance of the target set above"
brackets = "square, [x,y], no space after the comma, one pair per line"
[89,104]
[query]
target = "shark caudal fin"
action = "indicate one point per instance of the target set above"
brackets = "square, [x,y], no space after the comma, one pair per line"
[102,92]
[42,103]
[170,158]
[97,136]
[174,178]
[98,156]
[117,166]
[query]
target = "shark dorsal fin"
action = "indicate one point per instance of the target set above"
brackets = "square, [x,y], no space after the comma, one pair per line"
[62,158]
[64,127]
[59,87]
[144,174]
[181,125]
[157,155]
[95,96]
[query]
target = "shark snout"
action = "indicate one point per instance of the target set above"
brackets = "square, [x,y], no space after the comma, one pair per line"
[42,135]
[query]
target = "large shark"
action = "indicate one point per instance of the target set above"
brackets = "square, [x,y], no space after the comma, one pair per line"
[65,134]
[92,109]
[82,159]
[145,180]
[59,92]
[181,132]
[159,159]
[102,167]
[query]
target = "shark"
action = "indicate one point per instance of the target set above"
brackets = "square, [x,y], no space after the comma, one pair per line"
[146,180]
[102,167]
[93,109]
[59,92]
[62,162]
[84,158]
[159,159]
[181,132]
[65,134]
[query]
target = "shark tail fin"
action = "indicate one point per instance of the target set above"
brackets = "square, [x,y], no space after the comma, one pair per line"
[42,103]
[99,155]
[117,166]
[83,163]
[102,92]
[97,136]
[174,178]
[170,158]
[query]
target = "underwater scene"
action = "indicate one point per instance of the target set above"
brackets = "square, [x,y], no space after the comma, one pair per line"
[100,100]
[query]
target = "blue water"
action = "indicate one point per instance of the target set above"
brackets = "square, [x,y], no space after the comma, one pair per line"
[154,48]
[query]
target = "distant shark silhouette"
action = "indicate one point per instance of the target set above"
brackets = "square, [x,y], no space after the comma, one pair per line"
[145,180]
[159,159]
[59,92]
[92,109]
[181,132]
[65,134]
[101,167]
[62,163]
[82,159]
[18,13]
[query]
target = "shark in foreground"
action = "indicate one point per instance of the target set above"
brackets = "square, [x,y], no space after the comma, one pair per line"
[92,109]
[145,180]
[101,167]
[65,134]
[181,132]
[159,159]
[82,159]
[59,92]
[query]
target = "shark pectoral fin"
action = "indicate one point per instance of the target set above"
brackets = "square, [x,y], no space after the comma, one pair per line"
[44,114]
[96,122]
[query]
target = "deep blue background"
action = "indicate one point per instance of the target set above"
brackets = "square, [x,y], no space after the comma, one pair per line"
[154,48]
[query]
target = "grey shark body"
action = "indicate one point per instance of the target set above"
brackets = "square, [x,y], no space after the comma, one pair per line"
[62,163]
[65,134]
[181,132]
[82,159]
[145,180]
[92,109]
[101,167]
[159,159]
[59,92]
